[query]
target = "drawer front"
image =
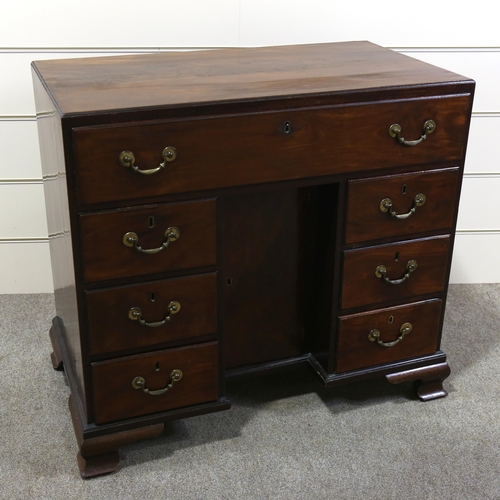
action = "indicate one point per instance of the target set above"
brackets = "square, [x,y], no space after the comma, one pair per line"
[153,313]
[266,147]
[365,339]
[115,397]
[106,256]
[370,218]
[361,286]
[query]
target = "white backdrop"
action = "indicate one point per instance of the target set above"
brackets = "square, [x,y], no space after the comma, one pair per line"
[446,33]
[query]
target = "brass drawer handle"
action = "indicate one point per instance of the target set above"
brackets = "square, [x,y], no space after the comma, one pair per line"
[374,335]
[140,383]
[135,314]
[127,159]
[381,272]
[131,239]
[395,131]
[386,206]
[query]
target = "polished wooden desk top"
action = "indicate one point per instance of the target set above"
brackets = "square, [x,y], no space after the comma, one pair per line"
[97,85]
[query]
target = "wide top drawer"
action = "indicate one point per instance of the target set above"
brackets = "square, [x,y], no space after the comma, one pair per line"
[132,161]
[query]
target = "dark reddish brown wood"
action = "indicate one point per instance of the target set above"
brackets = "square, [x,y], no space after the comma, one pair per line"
[110,328]
[56,355]
[264,243]
[169,79]
[116,399]
[99,455]
[338,379]
[361,286]
[428,379]
[324,224]
[58,211]
[365,220]
[321,141]
[355,350]
[281,244]
[107,257]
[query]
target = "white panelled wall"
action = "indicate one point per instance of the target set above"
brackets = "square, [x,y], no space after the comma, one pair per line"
[462,39]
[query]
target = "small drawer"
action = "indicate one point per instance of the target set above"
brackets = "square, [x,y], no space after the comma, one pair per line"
[388,335]
[222,151]
[398,205]
[134,386]
[152,313]
[168,237]
[364,281]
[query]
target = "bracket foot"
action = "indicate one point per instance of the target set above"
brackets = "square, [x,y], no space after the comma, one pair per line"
[428,380]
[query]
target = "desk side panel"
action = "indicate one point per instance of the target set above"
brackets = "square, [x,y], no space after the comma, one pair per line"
[59,228]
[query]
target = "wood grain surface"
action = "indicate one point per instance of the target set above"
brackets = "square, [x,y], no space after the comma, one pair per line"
[106,257]
[355,350]
[365,220]
[254,148]
[166,79]
[361,287]
[110,328]
[115,398]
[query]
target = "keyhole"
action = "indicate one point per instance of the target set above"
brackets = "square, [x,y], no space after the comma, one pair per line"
[152,297]
[229,282]
[288,127]
[157,366]
[404,189]
[396,257]
[391,319]
[151,222]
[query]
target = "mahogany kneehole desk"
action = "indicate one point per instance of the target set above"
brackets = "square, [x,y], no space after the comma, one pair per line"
[224,213]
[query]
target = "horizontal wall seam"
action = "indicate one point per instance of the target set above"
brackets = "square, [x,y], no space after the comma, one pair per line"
[30,118]
[445,49]
[35,239]
[465,232]
[475,232]
[17,118]
[481,175]
[103,50]
[78,50]
[469,175]
[485,114]
[20,181]
[157,49]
